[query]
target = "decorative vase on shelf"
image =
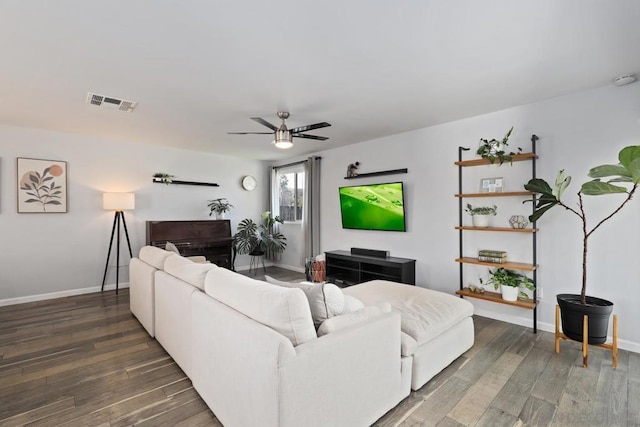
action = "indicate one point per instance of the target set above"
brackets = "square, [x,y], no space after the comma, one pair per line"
[509,293]
[518,221]
[480,220]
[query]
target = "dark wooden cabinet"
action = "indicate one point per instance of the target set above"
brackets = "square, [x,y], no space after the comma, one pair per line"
[209,238]
[346,269]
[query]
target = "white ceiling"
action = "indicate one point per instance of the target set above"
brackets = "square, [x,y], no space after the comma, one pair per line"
[371,68]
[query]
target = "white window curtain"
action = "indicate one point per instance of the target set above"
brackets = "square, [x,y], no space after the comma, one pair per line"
[311,214]
[275,202]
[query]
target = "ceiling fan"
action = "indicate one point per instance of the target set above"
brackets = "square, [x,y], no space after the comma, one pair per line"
[283,137]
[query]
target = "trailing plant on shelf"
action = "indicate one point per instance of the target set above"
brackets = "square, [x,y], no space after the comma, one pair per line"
[481,210]
[622,178]
[219,206]
[503,277]
[164,177]
[264,238]
[494,149]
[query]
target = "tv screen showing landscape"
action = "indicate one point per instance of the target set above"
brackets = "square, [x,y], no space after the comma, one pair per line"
[373,207]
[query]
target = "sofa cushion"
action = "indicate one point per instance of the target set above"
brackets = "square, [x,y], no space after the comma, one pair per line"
[284,310]
[187,270]
[153,256]
[425,313]
[325,299]
[351,304]
[340,322]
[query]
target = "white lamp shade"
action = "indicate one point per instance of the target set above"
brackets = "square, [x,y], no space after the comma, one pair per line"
[118,201]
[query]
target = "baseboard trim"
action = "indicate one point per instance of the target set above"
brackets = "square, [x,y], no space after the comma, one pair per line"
[61,294]
[547,327]
[290,267]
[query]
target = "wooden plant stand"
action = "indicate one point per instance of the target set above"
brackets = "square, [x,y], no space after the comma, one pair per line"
[613,347]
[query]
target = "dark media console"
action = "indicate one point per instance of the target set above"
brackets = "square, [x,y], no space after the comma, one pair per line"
[348,268]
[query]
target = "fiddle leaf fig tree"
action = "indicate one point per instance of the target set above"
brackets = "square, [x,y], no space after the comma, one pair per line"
[621,178]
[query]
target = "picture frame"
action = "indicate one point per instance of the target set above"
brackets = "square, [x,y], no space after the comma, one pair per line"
[491,185]
[41,185]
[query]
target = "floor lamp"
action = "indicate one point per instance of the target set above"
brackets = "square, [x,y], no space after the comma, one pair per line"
[118,202]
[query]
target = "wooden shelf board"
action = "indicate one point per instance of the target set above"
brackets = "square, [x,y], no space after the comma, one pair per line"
[502,194]
[367,174]
[505,229]
[177,182]
[496,297]
[508,265]
[478,162]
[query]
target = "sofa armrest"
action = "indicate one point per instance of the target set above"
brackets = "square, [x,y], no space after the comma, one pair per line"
[349,377]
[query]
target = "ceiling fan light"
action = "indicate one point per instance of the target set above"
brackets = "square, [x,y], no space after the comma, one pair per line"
[283,144]
[283,139]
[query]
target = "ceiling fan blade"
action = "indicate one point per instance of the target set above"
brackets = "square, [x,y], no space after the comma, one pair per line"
[309,127]
[264,122]
[250,133]
[302,135]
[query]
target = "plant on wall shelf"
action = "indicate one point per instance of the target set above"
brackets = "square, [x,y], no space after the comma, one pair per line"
[503,277]
[481,210]
[164,177]
[494,149]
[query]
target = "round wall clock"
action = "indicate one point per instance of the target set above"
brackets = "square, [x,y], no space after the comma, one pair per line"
[248,183]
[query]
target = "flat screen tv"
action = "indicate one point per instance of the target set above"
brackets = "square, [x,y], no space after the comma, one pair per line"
[373,207]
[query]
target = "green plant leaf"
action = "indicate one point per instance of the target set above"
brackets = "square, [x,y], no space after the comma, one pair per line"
[621,179]
[608,170]
[598,188]
[628,155]
[540,211]
[634,167]
[537,185]
[562,182]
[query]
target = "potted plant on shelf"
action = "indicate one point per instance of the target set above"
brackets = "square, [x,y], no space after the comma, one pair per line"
[622,178]
[219,207]
[509,282]
[257,240]
[481,215]
[165,178]
[494,149]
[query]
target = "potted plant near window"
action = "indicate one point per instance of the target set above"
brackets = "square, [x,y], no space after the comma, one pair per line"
[481,216]
[257,240]
[219,207]
[509,282]
[622,178]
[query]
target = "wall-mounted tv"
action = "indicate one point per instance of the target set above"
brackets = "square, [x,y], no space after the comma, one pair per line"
[373,207]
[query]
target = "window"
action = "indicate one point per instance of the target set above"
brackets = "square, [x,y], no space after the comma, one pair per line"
[290,183]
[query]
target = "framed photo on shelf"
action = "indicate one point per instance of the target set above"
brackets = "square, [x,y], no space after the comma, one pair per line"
[491,185]
[42,186]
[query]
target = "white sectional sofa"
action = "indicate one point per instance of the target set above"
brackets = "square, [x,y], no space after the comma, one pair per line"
[255,357]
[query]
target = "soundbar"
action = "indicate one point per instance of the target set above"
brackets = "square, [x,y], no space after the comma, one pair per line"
[370,252]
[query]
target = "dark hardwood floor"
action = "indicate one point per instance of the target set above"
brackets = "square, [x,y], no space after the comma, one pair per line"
[86,361]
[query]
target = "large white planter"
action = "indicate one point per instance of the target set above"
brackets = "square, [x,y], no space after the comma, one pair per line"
[509,293]
[480,220]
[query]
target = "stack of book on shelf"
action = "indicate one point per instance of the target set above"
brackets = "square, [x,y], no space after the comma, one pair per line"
[486,255]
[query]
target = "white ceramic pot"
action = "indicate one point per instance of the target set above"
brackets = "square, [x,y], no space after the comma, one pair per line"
[480,220]
[219,215]
[509,293]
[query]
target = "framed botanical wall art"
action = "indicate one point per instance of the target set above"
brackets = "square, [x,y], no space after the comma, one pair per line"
[42,186]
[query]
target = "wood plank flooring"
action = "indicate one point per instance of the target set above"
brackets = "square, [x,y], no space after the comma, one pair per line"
[86,361]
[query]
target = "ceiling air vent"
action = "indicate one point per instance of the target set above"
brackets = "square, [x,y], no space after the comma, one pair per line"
[110,102]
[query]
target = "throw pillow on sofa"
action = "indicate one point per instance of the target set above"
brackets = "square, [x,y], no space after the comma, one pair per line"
[326,300]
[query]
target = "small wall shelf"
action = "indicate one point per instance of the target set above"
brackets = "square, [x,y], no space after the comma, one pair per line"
[508,265]
[496,297]
[502,194]
[504,229]
[205,184]
[389,172]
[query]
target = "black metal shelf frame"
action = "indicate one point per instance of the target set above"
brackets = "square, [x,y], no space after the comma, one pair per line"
[534,236]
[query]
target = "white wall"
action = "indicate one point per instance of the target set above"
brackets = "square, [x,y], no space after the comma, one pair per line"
[66,253]
[576,133]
